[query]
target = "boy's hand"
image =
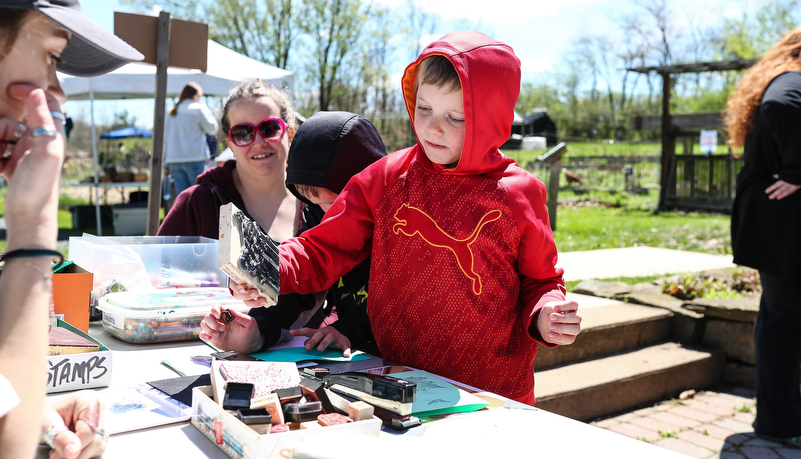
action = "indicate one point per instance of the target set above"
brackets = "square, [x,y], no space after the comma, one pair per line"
[239,335]
[247,294]
[559,322]
[322,338]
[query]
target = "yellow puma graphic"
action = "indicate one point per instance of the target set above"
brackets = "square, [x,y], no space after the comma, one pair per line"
[412,220]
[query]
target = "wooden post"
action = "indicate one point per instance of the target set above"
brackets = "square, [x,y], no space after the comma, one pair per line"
[156,165]
[554,159]
[668,142]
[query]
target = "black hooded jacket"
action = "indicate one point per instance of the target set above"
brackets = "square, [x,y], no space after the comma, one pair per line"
[326,152]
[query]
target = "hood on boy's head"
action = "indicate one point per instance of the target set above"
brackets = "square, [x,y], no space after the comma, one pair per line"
[329,148]
[489,73]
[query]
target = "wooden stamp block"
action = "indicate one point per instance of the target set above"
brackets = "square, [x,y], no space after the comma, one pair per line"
[332,419]
[247,253]
[359,411]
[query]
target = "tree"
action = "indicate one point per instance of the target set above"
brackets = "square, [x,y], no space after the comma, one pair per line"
[419,24]
[265,30]
[333,28]
[122,119]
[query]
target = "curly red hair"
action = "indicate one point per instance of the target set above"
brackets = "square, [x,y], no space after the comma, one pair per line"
[743,104]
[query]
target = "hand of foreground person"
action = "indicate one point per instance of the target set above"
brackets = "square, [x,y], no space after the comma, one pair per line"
[559,322]
[781,189]
[33,170]
[240,335]
[247,294]
[82,413]
[322,338]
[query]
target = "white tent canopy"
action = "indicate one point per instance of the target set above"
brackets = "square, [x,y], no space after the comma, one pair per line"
[137,81]
[225,68]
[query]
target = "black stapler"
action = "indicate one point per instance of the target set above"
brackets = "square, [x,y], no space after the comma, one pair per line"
[383,391]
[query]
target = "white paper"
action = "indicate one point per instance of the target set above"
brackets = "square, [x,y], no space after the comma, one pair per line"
[709,141]
[140,407]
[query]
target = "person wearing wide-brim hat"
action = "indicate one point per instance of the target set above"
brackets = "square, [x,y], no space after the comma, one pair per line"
[36,39]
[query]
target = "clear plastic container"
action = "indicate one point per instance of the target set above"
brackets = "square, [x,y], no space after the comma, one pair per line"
[162,315]
[170,261]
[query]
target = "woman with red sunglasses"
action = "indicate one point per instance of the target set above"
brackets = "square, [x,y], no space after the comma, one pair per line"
[259,124]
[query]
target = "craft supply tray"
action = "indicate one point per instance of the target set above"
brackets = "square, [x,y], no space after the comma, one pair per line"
[162,315]
[239,441]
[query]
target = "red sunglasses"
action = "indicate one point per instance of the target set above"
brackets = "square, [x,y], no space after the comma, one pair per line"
[271,130]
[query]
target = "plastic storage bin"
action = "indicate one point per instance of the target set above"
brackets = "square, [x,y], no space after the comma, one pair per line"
[163,315]
[130,219]
[170,261]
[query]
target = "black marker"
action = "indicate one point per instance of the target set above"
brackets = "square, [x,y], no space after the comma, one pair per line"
[226,316]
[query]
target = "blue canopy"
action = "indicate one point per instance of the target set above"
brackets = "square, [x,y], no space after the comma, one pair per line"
[124,133]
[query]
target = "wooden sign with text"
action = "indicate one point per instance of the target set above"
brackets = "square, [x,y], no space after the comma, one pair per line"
[189,41]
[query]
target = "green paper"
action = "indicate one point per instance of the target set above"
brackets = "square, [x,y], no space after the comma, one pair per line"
[296,354]
[436,396]
[63,266]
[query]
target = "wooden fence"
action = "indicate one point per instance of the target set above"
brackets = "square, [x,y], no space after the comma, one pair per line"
[607,173]
[697,182]
[703,182]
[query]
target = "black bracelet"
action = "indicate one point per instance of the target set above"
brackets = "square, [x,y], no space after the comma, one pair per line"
[33,252]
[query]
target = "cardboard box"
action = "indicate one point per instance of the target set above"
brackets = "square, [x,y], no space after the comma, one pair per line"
[237,440]
[72,289]
[78,371]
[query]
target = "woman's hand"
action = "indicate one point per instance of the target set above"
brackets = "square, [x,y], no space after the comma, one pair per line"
[322,338]
[240,335]
[33,171]
[781,189]
[82,413]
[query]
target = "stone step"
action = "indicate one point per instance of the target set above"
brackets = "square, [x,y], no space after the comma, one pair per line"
[608,327]
[603,386]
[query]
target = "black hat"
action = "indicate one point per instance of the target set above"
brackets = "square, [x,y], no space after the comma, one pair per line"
[92,50]
[329,148]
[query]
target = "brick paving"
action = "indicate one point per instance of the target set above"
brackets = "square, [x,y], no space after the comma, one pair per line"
[708,424]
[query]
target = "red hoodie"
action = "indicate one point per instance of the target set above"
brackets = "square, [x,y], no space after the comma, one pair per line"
[462,258]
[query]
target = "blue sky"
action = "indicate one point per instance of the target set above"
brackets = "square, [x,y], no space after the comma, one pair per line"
[540,31]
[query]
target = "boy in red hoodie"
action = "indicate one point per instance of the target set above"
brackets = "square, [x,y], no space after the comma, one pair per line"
[463,282]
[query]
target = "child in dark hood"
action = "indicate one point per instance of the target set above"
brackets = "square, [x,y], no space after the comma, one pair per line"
[326,152]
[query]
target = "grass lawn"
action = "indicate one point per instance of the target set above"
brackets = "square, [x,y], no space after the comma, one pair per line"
[600,220]
[595,226]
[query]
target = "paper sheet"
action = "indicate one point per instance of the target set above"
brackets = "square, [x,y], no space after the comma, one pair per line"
[293,351]
[140,407]
[436,396]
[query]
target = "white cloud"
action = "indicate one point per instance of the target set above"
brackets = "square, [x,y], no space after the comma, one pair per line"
[530,65]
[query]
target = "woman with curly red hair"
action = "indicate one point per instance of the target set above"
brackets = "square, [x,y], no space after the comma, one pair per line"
[764,116]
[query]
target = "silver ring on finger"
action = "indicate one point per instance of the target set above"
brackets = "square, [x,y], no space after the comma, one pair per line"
[19,131]
[58,116]
[103,434]
[44,131]
[51,433]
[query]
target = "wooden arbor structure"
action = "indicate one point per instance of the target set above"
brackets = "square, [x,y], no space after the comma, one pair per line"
[671,127]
